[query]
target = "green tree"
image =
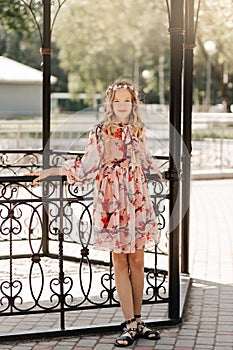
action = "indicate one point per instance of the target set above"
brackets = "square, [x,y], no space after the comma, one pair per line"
[20,38]
[99,41]
[15,17]
[215,24]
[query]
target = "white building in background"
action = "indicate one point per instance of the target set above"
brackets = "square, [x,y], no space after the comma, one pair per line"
[20,88]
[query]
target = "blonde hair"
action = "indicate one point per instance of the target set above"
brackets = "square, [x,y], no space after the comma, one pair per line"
[134,118]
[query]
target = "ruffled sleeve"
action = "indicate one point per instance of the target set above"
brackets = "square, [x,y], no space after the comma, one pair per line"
[81,172]
[149,164]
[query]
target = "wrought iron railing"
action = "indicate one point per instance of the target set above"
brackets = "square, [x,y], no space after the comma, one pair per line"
[48,260]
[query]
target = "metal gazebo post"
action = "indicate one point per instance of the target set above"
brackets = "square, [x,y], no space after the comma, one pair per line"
[46,54]
[187,131]
[176,55]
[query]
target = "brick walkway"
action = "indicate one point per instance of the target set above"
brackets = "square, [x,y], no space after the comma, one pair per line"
[208,321]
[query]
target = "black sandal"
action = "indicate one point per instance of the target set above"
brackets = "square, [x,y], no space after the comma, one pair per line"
[149,334]
[127,338]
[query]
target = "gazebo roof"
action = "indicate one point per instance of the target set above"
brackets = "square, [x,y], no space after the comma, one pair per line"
[15,72]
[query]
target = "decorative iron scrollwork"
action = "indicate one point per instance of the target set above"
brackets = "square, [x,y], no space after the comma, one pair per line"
[60,267]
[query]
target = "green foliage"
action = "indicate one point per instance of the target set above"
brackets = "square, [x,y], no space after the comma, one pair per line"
[20,39]
[15,17]
[215,24]
[97,41]
[23,50]
[100,41]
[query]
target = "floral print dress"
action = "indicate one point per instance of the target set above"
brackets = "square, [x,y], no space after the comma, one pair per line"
[116,159]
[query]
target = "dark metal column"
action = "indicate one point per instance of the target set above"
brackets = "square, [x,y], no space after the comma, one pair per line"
[176,55]
[46,53]
[187,131]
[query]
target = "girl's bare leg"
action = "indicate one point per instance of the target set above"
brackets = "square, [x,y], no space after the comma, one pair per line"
[136,265]
[129,278]
[124,288]
[123,284]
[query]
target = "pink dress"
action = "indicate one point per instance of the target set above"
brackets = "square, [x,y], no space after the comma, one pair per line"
[117,161]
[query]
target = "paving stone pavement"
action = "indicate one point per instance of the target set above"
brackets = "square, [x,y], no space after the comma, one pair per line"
[208,319]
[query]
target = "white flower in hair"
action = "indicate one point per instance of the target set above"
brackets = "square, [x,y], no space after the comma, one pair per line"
[120,86]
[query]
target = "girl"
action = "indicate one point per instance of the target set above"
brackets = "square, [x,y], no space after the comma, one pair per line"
[124,222]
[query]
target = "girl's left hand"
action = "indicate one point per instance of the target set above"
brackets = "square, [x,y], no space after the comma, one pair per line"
[40,175]
[37,178]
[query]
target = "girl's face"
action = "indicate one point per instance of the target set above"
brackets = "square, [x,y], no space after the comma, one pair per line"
[122,105]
